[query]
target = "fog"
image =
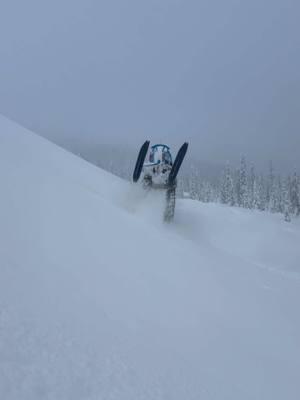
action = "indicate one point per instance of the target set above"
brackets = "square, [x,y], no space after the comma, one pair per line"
[224,75]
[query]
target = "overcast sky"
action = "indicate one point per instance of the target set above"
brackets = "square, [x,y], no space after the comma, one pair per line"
[224,75]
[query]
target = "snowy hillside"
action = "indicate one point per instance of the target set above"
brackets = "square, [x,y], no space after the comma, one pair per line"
[100,300]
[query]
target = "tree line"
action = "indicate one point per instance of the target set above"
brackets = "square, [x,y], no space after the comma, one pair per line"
[243,187]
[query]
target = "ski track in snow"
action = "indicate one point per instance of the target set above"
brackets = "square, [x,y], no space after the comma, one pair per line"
[99,299]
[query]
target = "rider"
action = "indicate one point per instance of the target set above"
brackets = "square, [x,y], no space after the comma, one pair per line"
[160,162]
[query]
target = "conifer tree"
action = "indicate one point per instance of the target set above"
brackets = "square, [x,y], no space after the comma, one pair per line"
[242,184]
[270,184]
[261,194]
[227,196]
[294,194]
[287,201]
[251,188]
[256,199]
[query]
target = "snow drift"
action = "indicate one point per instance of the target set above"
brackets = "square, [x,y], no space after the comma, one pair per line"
[100,300]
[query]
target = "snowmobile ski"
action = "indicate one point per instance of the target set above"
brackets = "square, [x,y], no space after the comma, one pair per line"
[177,164]
[140,161]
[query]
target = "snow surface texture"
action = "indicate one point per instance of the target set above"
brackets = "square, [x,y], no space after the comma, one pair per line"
[100,300]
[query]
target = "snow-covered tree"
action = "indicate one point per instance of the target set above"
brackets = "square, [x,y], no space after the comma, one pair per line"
[194,183]
[261,194]
[251,188]
[227,193]
[276,201]
[241,186]
[287,200]
[270,184]
[256,198]
[294,194]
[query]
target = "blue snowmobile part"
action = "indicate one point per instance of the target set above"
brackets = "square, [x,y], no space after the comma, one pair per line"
[177,164]
[160,145]
[140,161]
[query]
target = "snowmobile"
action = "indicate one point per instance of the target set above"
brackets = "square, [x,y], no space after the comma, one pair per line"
[160,172]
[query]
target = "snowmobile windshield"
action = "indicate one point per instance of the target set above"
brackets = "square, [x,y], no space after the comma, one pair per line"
[160,153]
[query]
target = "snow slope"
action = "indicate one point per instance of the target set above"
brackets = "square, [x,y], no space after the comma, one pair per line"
[100,300]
